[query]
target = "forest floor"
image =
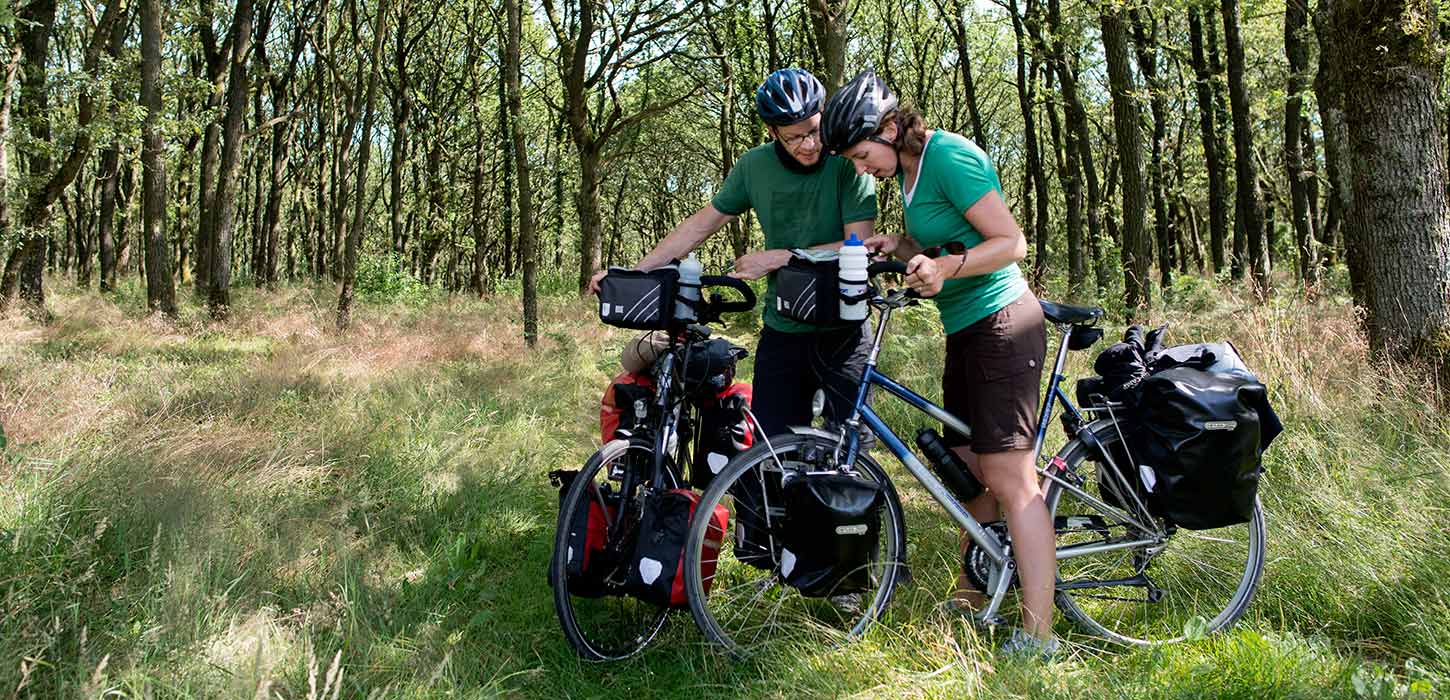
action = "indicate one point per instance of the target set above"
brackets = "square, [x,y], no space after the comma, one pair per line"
[266,508]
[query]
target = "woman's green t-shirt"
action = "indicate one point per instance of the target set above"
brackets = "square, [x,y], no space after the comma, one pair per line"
[952,176]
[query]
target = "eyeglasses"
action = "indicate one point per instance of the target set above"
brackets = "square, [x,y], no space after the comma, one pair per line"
[798,141]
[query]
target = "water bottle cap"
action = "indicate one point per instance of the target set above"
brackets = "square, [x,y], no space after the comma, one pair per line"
[853,240]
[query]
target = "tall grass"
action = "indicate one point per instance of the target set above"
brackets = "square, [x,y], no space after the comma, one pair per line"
[269,509]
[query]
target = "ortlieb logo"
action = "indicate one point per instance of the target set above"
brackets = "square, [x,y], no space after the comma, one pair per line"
[1221,425]
[851,529]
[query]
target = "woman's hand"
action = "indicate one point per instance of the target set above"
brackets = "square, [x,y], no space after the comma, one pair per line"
[883,244]
[923,276]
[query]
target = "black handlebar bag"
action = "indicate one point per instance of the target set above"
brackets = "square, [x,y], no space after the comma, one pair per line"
[831,533]
[642,300]
[809,292]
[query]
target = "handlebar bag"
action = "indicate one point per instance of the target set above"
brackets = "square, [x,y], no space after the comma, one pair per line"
[809,291]
[639,299]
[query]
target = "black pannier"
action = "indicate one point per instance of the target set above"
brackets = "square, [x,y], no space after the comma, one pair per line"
[808,291]
[724,432]
[831,532]
[587,561]
[710,367]
[642,300]
[656,571]
[1195,423]
[1202,436]
[759,517]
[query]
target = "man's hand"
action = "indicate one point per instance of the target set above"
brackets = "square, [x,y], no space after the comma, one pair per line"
[753,266]
[593,287]
[883,244]
[923,276]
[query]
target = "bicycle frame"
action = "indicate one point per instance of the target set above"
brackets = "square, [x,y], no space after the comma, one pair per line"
[862,413]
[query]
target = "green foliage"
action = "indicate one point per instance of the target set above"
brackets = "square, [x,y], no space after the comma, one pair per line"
[385,279]
[222,508]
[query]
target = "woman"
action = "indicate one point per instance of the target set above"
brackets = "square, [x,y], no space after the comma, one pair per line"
[996,339]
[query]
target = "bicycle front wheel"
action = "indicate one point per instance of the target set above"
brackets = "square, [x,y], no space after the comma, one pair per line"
[749,604]
[600,622]
[1178,585]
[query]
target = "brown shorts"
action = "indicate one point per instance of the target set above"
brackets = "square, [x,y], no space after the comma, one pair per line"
[993,377]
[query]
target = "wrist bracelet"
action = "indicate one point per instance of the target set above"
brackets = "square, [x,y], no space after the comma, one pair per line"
[959,265]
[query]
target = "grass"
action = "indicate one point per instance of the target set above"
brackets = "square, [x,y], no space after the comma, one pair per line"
[266,508]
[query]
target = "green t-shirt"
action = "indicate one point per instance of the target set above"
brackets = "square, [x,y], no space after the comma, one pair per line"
[952,175]
[795,210]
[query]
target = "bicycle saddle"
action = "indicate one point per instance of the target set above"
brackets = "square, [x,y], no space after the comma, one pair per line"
[1062,313]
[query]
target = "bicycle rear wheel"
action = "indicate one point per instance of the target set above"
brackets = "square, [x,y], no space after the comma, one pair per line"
[749,606]
[600,623]
[1185,583]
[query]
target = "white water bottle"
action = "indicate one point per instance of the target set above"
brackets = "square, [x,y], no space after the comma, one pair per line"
[690,270]
[853,262]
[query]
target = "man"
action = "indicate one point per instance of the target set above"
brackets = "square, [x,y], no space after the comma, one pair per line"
[803,198]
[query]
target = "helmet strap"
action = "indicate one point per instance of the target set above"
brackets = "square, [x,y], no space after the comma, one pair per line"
[895,148]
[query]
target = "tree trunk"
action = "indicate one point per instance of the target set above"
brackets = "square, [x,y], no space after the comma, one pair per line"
[1145,38]
[1401,221]
[828,20]
[1208,132]
[528,240]
[160,293]
[355,232]
[1135,250]
[1296,15]
[1249,203]
[109,176]
[1036,174]
[1076,128]
[24,269]
[1329,93]
[955,11]
[218,298]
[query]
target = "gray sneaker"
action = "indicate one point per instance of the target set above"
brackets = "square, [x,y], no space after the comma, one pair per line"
[847,603]
[1025,646]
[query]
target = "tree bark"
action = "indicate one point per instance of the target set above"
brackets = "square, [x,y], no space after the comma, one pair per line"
[1145,39]
[1208,132]
[828,20]
[355,232]
[160,292]
[1329,93]
[1036,174]
[24,269]
[1249,202]
[528,239]
[1135,251]
[1401,219]
[218,298]
[954,11]
[1296,14]
[1076,130]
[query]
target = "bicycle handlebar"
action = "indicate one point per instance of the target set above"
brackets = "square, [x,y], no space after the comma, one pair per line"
[893,267]
[718,307]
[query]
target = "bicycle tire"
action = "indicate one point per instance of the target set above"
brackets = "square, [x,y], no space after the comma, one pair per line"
[588,623]
[794,615]
[1191,566]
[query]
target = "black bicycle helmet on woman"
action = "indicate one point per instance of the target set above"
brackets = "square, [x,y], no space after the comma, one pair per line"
[855,113]
[788,96]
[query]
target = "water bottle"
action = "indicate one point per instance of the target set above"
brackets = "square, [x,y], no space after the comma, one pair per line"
[689,296]
[953,471]
[853,262]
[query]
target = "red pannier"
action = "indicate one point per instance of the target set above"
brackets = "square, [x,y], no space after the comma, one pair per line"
[623,391]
